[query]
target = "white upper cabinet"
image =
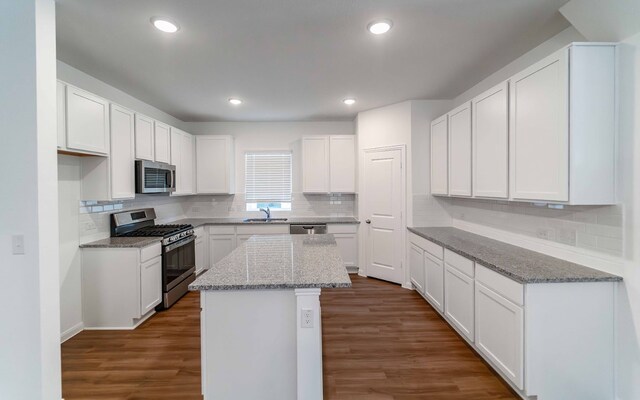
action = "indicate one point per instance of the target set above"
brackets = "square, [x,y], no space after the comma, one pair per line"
[214,164]
[162,142]
[144,138]
[460,151]
[439,157]
[491,143]
[540,130]
[122,153]
[182,157]
[87,122]
[562,127]
[315,164]
[61,100]
[342,164]
[188,163]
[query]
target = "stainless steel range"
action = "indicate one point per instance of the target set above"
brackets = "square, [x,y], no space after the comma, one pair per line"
[178,249]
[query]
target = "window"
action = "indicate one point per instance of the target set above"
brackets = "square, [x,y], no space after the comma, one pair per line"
[268,180]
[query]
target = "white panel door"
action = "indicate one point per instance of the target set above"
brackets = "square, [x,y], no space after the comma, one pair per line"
[491,143]
[500,332]
[539,130]
[220,246]
[342,165]
[61,99]
[144,138]
[87,121]
[213,164]
[439,157]
[460,151]
[162,146]
[383,205]
[459,303]
[434,281]
[187,162]
[122,153]
[150,284]
[315,164]
[416,266]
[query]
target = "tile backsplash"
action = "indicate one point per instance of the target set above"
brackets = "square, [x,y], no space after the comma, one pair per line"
[302,205]
[95,215]
[597,228]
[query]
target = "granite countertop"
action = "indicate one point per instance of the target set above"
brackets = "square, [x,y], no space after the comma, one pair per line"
[278,262]
[196,222]
[122,242]
[517,263]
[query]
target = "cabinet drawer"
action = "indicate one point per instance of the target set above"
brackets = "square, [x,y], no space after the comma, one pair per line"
[434,249]
[263,229]
[504,286]
[342,228]
[458,262]
[222,230]
[147,253]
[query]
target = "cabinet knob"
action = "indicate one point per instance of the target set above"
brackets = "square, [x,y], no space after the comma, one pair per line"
[368,221]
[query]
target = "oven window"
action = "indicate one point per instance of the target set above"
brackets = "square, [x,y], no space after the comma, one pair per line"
[177,262]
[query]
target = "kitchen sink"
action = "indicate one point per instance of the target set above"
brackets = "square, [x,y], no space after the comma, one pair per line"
[264,220]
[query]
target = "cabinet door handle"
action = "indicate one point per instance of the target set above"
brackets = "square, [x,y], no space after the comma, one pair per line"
[368,221]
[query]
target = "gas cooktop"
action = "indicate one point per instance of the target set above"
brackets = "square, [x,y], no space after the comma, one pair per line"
[159,230]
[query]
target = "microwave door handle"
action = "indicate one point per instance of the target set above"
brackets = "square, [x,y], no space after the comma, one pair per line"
[170,183]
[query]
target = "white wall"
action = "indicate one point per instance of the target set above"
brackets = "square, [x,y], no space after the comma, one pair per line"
[29,332]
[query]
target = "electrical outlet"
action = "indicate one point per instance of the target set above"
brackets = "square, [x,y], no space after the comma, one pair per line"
[306,318]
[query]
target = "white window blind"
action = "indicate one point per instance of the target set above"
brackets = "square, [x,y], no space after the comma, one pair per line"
[268,177]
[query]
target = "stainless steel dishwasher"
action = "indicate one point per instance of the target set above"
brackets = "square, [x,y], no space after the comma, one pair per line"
[310,229]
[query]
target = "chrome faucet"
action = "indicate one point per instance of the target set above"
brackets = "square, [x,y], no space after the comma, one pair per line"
[267,211]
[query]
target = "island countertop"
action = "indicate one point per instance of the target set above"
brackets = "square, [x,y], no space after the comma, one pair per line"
[278,262]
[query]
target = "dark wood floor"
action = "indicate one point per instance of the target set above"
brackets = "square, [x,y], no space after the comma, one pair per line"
[379,342]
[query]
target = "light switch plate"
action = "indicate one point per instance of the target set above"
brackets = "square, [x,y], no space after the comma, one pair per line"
[17,244]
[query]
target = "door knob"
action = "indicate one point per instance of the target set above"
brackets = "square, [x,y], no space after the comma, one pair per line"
[368,221]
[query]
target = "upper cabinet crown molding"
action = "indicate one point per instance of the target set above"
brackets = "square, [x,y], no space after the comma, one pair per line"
[214,164]
[329,164]
[561,134]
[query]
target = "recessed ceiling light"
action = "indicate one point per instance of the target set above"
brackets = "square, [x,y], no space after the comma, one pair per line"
[165,24]
[379,27]
[235,102]
[349,101]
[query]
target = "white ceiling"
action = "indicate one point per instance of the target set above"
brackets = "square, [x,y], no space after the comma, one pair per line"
[297,59]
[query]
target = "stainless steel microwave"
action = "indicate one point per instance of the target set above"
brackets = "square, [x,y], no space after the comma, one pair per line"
[155,177]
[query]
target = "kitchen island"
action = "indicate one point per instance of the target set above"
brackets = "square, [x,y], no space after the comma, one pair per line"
[261,330]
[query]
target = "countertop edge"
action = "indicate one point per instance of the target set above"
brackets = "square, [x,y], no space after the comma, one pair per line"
[227,288]
[507,274]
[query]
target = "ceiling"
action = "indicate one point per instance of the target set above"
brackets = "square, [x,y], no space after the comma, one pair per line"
[295,60]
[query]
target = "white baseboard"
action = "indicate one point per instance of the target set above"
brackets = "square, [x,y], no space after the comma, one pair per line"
[71,332]
[589,258]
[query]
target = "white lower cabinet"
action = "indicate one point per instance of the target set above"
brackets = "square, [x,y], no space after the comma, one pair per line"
[416,266]
[500,332]
[150,291]
[346,236]
[434,281]
[202,245]
[459,301]
[220,245]
[551,341]
[120,286]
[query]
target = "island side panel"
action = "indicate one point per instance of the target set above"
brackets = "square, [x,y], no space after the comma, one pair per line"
[309,344]
[249,344]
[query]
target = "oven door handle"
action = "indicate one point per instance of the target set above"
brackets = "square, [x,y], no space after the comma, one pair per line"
[181,243]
